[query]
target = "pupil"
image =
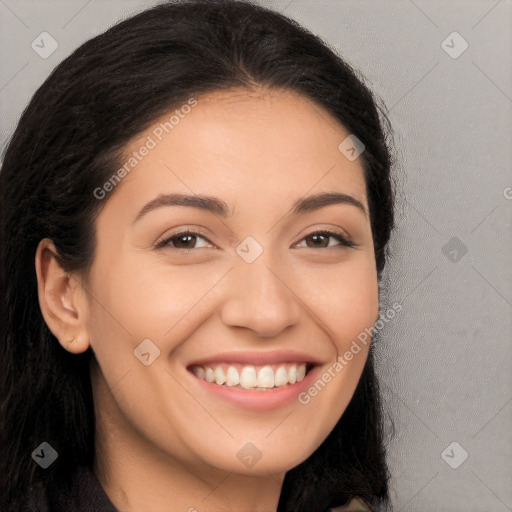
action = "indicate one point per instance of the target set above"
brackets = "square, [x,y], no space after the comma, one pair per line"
[323,243]
[184,240]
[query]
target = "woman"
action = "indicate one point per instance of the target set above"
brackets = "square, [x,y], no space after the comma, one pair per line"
[195,209]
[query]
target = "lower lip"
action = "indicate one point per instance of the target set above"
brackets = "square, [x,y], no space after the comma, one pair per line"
[259,400]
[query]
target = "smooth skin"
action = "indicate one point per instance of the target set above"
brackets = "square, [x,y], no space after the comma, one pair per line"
[162,442]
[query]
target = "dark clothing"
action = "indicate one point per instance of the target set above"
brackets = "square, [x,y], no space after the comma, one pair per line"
[87,495]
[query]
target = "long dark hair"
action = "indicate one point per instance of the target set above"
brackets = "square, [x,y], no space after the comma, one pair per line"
[69,141]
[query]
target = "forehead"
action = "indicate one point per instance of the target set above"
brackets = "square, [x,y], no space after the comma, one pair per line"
[269,145]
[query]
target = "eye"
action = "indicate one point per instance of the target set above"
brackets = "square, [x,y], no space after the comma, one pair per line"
[187,240]
[184,240]
[322,239]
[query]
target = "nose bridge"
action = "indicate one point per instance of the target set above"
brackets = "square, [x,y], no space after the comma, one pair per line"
[259,298]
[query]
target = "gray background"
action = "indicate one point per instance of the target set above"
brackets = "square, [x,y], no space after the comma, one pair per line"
[445,360]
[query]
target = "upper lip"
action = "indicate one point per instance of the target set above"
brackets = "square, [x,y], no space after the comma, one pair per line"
[258,358]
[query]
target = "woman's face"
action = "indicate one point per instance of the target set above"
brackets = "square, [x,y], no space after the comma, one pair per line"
[259,292]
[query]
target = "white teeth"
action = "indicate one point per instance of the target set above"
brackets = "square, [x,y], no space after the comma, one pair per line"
[266,377]
[220,378]
[209,376]
[199,371]
[301,372]
[292,374]
[232,377]
[248,377]
[281,377]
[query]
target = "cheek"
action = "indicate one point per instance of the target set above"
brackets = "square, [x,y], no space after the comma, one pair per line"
[135,300]
[344,298]
[149,297]
[345,305]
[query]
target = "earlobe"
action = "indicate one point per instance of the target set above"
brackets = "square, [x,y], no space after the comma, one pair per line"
[61,299]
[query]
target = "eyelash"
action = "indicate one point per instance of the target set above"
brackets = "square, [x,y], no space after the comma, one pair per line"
[345,242]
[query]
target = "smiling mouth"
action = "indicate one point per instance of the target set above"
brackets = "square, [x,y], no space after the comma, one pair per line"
[253,377]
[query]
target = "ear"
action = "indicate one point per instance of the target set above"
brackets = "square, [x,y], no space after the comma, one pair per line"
[62,299]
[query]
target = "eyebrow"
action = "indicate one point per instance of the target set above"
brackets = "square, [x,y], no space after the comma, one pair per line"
[220,208]
[207,203]
[326,199]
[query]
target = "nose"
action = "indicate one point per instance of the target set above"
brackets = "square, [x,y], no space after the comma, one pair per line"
[260,299]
